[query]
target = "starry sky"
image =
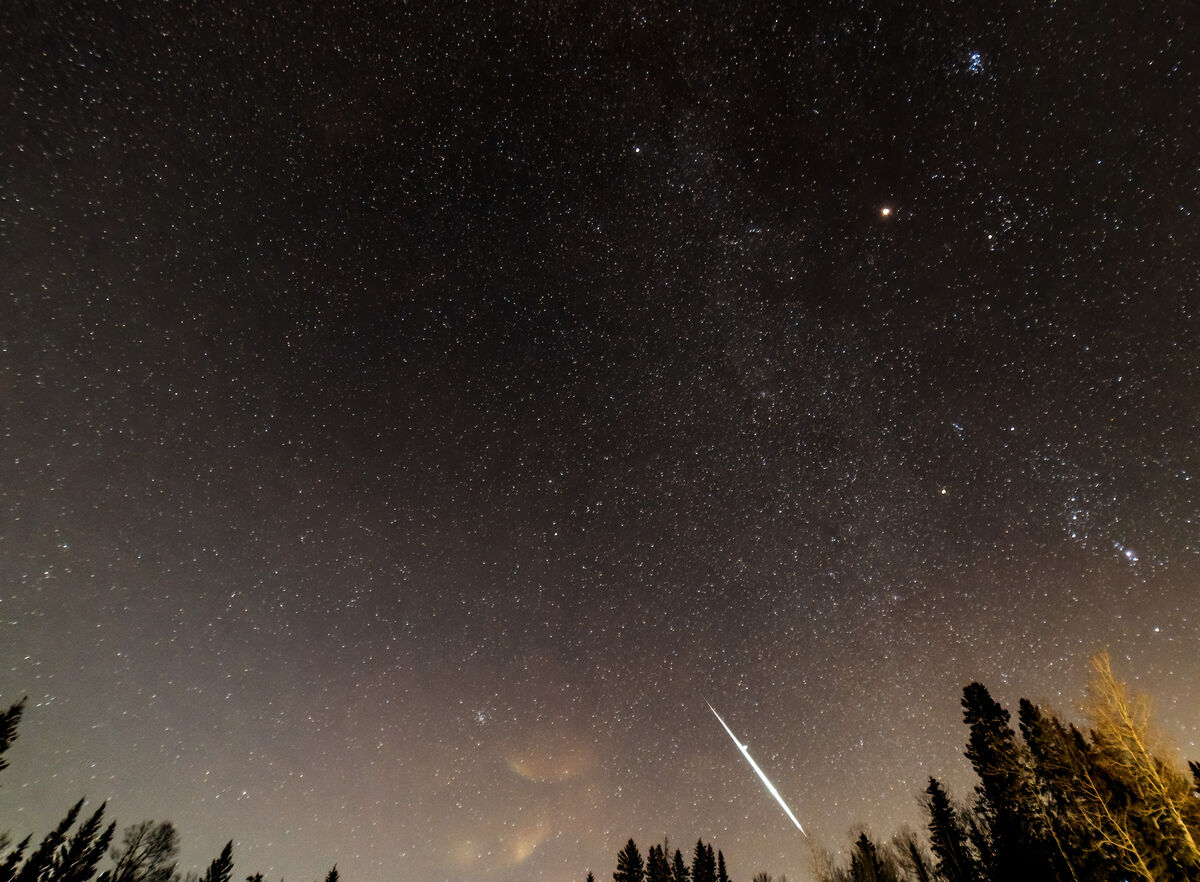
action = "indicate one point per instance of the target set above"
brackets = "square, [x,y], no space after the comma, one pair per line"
[413,413]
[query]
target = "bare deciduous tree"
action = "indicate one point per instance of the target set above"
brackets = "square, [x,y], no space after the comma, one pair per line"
[147,853]
[1125,749]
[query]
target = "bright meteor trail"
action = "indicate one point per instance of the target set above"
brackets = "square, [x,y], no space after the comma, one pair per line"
[754,765]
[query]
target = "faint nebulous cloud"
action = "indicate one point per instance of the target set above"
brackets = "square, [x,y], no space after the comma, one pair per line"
[552,760]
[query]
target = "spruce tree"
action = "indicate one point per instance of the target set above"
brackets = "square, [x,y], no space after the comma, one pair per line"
[866,865]
[657,868]
[916,860]
[590,877]
[76,861]
[630,867]
[11,864]
[679,870]
[704,866]
[980,841]
[1058,771]
[333,875]
[722,876]
[948,839]
[42,859]
[9,720]
[221,868]
[12,861]
[1009,805]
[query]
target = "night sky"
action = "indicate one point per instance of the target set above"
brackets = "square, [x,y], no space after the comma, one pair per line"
[413,413]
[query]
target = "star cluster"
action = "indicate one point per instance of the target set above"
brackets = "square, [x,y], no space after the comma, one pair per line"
[413,415]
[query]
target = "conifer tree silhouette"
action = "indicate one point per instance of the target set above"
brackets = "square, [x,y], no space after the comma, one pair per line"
[9,720]
[221,868]
[630,867]
[1008,802]
[679,870]
[866,865]
[657,868]
[39,863]
[77,859]
[948,839]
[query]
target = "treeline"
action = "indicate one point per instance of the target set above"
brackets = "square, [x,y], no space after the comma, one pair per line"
[148,851]
[1055,804]
[661,866]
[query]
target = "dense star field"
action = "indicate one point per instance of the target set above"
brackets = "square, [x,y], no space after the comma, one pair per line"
[413,414]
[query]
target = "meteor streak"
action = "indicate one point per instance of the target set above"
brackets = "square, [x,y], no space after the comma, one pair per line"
[746,753]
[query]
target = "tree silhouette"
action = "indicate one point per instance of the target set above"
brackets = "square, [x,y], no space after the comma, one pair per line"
[221,868]
[1057,753]
[630,867]
[909,854]
[76,861]
[679,870]
[9,720]
[948,839]
[1008,802]
[57,858]
[657,868]
[147,853]
[704,865]
[39,863]
[866,865]
[12,861]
